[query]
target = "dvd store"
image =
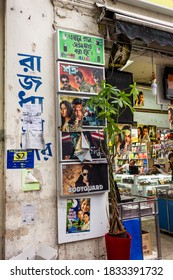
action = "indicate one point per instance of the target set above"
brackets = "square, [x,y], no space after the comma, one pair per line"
[55,174]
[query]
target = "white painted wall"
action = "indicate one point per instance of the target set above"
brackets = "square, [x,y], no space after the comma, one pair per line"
[29,31]
[2,132]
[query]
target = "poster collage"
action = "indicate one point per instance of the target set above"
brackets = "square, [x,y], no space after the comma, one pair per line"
[83,169]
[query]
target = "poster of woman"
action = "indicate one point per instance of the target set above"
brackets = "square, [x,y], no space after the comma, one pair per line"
[125,144]
[75,114]
[170,116]
[78,215]
[139,102]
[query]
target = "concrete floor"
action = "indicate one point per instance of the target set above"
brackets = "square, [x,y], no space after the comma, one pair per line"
[166,241]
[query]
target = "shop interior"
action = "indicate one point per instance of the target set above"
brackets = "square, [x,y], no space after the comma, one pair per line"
[143,166]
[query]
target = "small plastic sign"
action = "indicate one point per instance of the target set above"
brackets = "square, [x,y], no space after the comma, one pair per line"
[17,159]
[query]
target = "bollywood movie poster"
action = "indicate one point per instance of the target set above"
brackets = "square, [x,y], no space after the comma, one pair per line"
[79,47]
[124,138]
[146,133]
[79,78]
[170,116]
[75,114]
[84,178]
[134,135]
[71,142]
[152,133]
[78,215]
[120,54]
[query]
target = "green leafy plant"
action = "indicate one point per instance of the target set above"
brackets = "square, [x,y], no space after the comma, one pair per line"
[109,104]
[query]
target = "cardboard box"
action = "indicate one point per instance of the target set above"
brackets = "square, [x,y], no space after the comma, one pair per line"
[44,253]
[146,243]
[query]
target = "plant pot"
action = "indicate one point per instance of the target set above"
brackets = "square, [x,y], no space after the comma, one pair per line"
[118,248]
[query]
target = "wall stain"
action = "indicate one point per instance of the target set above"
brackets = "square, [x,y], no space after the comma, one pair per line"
[18,233]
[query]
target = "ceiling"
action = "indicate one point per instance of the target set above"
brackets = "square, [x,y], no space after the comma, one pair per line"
[144,61]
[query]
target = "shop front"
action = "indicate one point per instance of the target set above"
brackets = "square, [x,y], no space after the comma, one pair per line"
[42,180]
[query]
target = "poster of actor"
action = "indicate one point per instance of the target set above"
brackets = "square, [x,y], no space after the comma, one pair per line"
[95,140]
[124,139]
[78,215]
[78,78]
[74,113]
[83,178]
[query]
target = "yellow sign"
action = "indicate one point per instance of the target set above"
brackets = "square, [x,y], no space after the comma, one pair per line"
[162,3]
[20,156]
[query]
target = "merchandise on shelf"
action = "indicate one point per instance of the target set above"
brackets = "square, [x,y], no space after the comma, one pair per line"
[140,154]
[142,185]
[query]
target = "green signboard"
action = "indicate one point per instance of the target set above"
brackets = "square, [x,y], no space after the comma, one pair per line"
[80,47]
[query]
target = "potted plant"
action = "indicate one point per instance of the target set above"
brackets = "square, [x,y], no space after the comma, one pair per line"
[107,104]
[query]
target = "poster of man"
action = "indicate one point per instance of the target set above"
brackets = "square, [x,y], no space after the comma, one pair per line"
[82,178]
[78,215]
[69,141]
[74,113]
[79,78]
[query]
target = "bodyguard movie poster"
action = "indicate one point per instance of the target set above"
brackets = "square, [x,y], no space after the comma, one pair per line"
[83,178]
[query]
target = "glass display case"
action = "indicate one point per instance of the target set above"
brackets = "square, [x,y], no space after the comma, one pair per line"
[126,184]
[147,184]
[142,185]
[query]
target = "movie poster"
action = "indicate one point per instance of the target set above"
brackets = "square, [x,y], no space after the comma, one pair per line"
[134,135]
[78,78]
[124,139]
[152,133]
[120,54]
[75,114]
[70,141]
[84,178]
[139,102]
[170,116]
[78,215]
[146,133]
[80,47]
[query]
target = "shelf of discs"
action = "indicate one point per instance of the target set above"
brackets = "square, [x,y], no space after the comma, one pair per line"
[140,154]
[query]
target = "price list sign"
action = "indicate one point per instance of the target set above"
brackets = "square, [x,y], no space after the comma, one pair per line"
[79,47]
